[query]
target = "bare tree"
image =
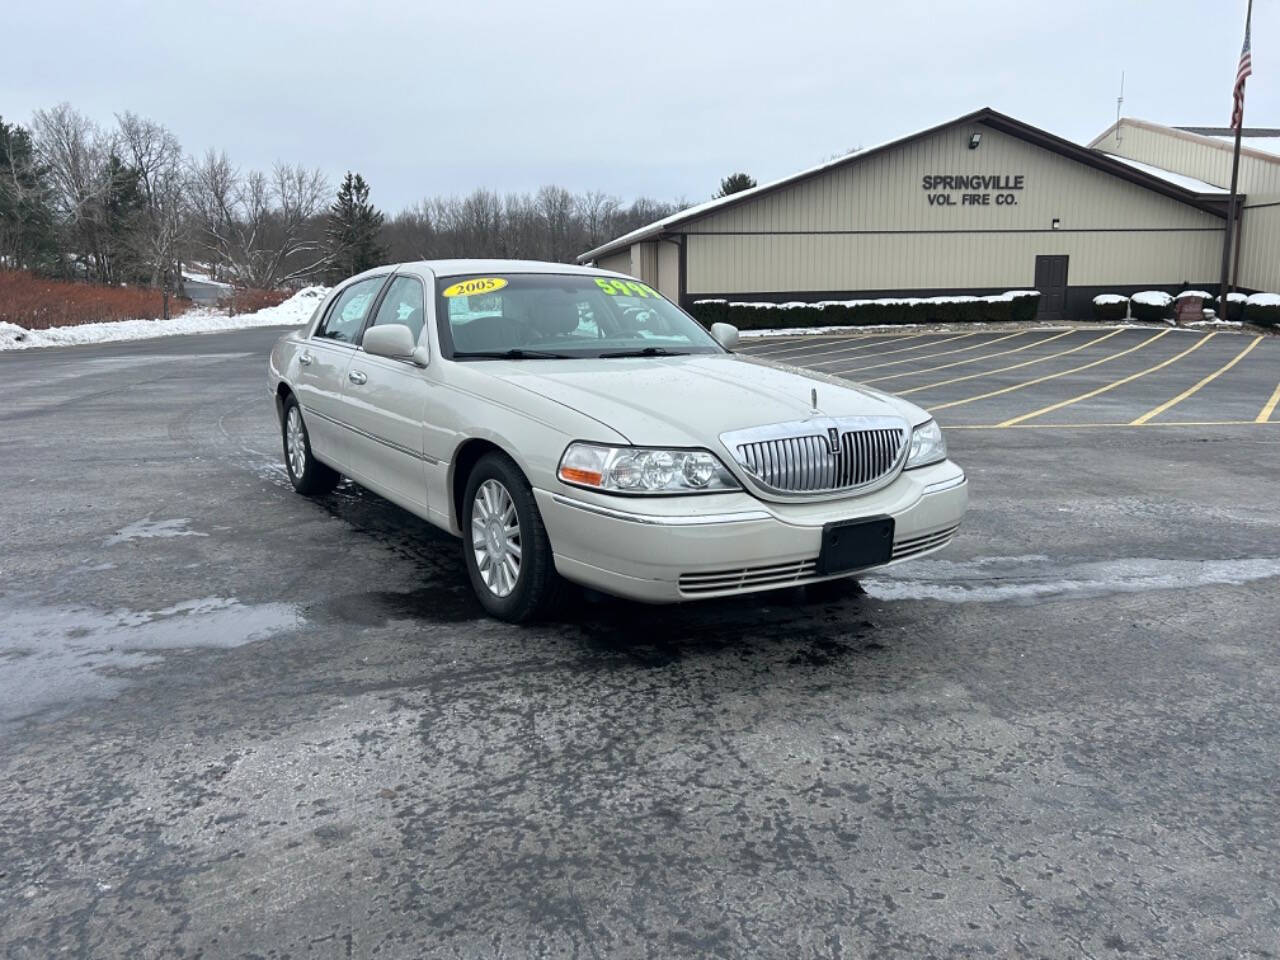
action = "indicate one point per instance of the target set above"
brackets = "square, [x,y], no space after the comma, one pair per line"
[155,156]
[262,228]
[76,153]
[596,210]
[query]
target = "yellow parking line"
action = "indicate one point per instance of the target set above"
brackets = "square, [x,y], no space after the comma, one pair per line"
[1051,376]
[1015,366]
[1090,426]
[921,346]
[930,356]
[1156,411]
[957,363]
[860,340]
[1111,386]
[1269,408]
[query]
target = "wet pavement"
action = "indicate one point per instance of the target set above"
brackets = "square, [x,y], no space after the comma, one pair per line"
[235,722]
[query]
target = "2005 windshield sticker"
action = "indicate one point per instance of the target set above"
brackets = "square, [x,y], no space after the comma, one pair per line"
[625,288]
[473,286]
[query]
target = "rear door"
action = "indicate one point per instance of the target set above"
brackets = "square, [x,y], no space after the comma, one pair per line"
[385,402]
[322,369]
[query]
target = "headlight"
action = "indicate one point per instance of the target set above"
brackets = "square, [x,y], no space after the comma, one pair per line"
[927,445]
[644,470]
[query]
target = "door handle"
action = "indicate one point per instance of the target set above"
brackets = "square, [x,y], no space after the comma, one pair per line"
[306,359]
[358,378]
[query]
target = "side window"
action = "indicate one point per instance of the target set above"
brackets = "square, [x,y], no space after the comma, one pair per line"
[346,316]
[404,303]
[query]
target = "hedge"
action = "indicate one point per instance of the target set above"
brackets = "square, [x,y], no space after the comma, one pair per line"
[1110,307]
[1017,305]
[1263,309]
[1151,306]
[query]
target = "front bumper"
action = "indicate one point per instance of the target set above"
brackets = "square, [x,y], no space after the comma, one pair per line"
[668,549]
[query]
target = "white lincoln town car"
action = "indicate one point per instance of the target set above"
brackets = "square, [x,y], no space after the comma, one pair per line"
[571,424]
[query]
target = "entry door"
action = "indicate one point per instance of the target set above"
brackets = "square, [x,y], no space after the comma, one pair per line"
[1051,281]
[385,401]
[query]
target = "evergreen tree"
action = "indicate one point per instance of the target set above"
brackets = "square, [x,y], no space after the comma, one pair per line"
[353,230]
[734,183]
[27,237]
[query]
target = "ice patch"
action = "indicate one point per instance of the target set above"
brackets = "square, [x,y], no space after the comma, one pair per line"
[1029,578]
[147,529]
[56,655]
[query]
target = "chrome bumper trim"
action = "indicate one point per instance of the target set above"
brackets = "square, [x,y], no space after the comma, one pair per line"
[942,485]
[703,519]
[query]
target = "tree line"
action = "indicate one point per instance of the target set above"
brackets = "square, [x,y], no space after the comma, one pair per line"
[125,204]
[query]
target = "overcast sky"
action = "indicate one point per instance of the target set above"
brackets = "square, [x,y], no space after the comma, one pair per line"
[658,98]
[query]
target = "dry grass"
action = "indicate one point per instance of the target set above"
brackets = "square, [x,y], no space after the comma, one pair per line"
[37,303]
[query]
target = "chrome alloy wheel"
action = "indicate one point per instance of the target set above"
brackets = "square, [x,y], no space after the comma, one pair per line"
[495,537]
[295,441]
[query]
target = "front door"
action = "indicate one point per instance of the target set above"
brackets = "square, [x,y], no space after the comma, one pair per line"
[1051,281]
[323,369]
[384,404]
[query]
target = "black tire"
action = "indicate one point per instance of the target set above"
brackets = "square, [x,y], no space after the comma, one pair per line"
[314,478]
[537,589]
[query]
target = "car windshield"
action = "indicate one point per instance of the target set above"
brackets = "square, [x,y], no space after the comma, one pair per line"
[544,316]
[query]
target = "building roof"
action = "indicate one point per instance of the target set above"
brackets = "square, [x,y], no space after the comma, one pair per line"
[1207,199]
[1260,147]
[1182,180]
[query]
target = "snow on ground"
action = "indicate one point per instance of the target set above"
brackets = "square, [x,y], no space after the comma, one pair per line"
[293,312]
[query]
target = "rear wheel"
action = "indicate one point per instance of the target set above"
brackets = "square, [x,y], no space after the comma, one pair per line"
[505,544]
[308,475]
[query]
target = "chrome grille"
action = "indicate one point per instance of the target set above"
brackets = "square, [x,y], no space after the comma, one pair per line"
[820,455]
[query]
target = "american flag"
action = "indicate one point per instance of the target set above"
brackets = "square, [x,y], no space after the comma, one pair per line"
[1245,68]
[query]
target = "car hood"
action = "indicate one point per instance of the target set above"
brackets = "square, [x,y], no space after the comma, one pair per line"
[691,400]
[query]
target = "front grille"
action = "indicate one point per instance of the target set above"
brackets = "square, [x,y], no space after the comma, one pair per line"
[743,578]
[796,572]
[923,543]
[820,455]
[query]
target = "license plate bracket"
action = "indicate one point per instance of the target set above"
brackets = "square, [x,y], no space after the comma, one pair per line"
[855,544]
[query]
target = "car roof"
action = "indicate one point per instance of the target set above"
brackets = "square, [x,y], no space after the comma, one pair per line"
[447,268]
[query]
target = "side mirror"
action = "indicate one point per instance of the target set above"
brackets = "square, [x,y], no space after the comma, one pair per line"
[725,334]
[393,340]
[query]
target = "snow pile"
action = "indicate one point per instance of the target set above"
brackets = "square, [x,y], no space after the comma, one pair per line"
[1105,299]
[1202,294]
[1264,300]
[293,312]
[885,301]
[1153,298]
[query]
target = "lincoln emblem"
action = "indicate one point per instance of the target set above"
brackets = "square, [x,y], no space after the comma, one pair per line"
[833,441]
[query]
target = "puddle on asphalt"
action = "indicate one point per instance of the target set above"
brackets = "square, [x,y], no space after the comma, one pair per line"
[56,655]
[1036,577]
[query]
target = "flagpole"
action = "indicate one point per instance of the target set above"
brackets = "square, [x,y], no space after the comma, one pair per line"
[1224,285]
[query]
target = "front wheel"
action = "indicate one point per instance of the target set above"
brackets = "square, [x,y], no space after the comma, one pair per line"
[505,545]
[307,474]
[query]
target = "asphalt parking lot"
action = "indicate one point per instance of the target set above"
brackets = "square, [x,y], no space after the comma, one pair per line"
[235,722]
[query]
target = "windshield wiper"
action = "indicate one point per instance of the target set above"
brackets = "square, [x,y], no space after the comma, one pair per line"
[514,354]
[646,352]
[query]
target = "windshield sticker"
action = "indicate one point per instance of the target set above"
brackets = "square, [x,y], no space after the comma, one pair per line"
[475,285]
[625,288]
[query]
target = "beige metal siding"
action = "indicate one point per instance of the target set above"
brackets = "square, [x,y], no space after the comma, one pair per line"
[1204,158]
[668,280]
[1260,245]
[869,226]
[618,262]
[644,261]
